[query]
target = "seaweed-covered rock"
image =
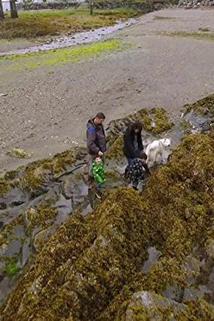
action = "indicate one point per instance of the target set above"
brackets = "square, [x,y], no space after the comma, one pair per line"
[36,177]
[148,306]
[91,267]
[204,106]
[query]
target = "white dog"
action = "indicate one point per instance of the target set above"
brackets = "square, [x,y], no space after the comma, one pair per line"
[158,151]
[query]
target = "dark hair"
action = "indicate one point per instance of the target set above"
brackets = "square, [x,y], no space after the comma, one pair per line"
[137,125]
[143,155]
[100,116]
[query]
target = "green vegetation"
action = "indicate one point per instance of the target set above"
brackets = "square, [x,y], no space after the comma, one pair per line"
[60,56]
[35,24]
[11,268]
[209,36]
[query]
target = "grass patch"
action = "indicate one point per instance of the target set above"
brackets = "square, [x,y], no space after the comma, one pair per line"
[196,35]
[33,24]
[60,56]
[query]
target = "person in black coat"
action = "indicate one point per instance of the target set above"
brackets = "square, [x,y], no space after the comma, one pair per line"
[133,144]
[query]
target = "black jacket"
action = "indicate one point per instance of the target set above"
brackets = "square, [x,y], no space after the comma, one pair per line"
[129,138]
[96,140]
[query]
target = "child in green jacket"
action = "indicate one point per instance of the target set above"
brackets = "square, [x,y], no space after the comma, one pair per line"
[98,172]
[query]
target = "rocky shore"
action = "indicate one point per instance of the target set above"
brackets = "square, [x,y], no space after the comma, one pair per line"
[135,256]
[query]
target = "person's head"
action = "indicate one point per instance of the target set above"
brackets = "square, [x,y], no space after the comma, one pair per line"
[98,160]
[143,155]
[136,127]
[99,118]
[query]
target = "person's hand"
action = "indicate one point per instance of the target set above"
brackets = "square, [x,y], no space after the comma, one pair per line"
[100,153]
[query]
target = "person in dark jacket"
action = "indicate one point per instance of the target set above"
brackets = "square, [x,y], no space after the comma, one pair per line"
[133,144]
[96,143]
[137,170]
[96,139]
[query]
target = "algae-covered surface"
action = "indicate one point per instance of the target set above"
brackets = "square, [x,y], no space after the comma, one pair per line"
[99,266]
[61,56]
[91,267]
